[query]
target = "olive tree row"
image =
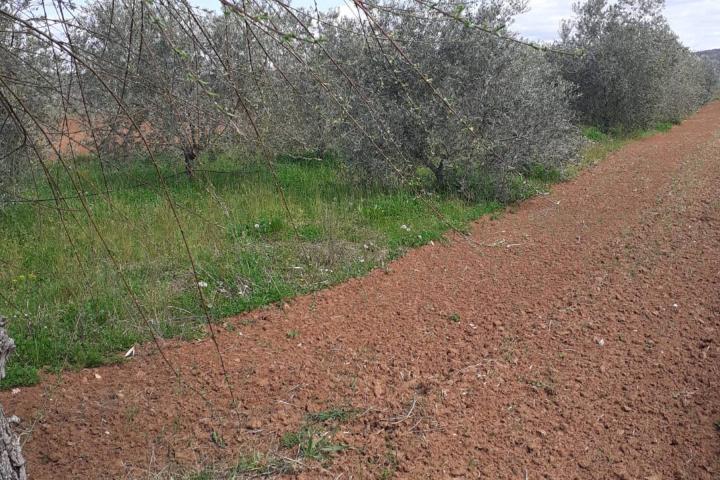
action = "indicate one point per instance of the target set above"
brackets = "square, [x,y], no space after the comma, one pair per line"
[441,93]
[630,69]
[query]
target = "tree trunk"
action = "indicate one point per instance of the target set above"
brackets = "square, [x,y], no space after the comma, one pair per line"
[190,156]
[439,172]
[12,463]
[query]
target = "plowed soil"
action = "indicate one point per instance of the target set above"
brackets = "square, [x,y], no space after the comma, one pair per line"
[575,336]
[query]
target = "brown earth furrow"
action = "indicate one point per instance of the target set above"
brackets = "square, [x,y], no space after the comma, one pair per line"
[587,346]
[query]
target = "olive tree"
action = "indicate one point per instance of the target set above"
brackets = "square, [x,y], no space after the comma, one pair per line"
[155,61]
[26,88]
[423,91]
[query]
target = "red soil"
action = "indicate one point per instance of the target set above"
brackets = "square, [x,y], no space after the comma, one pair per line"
[587,346]
[74,137]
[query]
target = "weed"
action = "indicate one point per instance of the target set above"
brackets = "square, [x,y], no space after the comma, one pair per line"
[663,126]
[260,465]
[454,317]
[204,474]
[508,346]
[254,465]
[594,134]
[217,439]
[292,334]
[131,412]
[391,464]
[387,473]
[544,386]
[313,443]
[332,415]
[314,439]
[547,384]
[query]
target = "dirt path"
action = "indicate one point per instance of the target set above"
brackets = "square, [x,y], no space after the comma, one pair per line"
[587,346]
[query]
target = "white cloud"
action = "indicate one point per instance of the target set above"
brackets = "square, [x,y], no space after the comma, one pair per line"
[542,21]
[348,10]
[697,22]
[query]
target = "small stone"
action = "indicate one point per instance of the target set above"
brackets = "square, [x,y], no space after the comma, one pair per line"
[458,472]
[378,389]
[53,455]
[621,473]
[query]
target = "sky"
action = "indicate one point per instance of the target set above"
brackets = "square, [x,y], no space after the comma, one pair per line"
[697,22]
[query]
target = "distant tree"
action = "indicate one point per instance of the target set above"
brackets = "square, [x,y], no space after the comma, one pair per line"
[711,58]
[157,62]
[690,83]
[628,64]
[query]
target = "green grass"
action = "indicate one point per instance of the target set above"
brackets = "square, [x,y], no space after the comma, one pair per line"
[315,438]
[594,133]
[601,144]
[66,303]
[313,443]
[258,465]
[337,414]
[663,126]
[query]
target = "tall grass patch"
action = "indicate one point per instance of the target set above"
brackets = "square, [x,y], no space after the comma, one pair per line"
[68,304]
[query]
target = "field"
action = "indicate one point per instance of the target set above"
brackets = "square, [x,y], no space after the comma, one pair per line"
[556,332]
[69,308]
[394,239]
